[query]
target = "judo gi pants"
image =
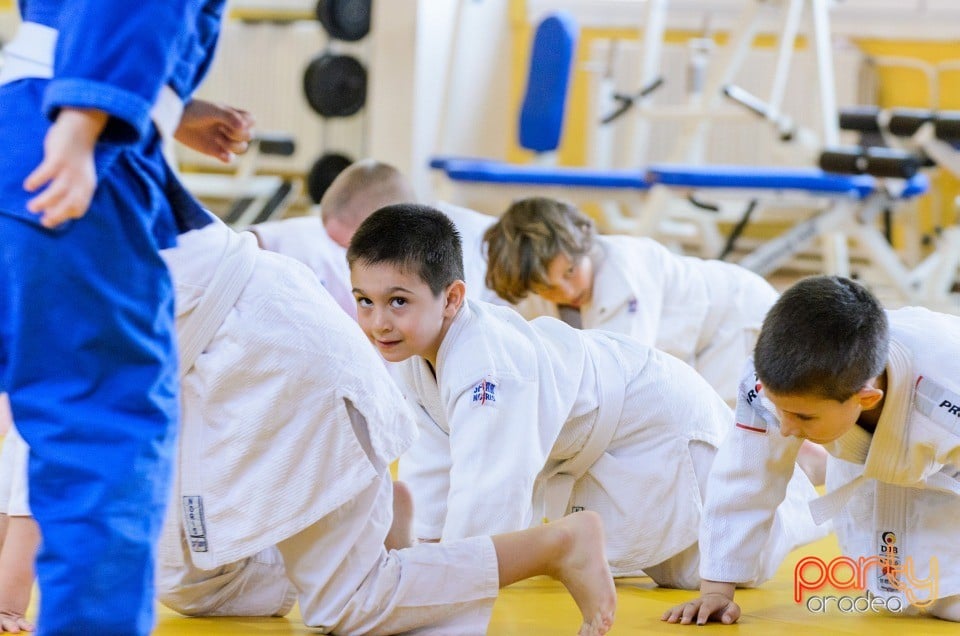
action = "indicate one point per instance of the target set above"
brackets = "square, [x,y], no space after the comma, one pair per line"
[87,355]
[346,581]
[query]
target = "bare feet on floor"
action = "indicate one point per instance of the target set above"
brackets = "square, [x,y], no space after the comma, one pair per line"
[401,530]
[584,571]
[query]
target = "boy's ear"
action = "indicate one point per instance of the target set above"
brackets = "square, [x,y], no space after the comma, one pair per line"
[456,293]
[869,397]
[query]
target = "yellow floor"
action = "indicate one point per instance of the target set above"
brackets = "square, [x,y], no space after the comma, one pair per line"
[541,607]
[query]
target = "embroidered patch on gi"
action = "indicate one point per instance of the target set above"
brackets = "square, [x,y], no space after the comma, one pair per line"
[751,414]
[938,403]
[485,393]
[193,523]
[632,306]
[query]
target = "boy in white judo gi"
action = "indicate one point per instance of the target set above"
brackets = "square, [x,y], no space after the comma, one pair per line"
[289,416]
[707,313]
[881,391]
[523,421]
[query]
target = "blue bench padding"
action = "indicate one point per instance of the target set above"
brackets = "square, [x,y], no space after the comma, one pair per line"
[486,171]
[916,185]
[761,178]
[810,180]
[544,102]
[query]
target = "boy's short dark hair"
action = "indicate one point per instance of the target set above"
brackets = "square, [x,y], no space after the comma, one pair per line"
[415,238]
[826,335]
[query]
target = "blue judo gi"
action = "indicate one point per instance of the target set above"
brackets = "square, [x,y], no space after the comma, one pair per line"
[87,349]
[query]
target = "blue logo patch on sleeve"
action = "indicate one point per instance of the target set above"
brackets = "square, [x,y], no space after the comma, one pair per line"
[485,393]
[632,306]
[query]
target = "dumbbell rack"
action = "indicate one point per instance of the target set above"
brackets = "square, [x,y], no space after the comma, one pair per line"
[335,85]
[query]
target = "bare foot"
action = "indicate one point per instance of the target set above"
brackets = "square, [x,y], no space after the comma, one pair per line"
[812,460]
[401,530]
[583,570]
[14,623]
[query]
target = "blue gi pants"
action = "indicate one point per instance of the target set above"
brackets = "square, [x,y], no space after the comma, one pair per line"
[87,355]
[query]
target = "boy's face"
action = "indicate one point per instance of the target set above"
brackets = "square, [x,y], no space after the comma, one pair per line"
[398,312]
[569,282]
[819,419]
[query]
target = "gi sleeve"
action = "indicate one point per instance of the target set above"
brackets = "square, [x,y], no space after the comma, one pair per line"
[115,57]
[197,50]
[425,468]
[496,456]
[748,482]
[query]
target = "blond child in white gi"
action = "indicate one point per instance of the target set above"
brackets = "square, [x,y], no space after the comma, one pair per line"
[881,391]
[522,421]
[707,313]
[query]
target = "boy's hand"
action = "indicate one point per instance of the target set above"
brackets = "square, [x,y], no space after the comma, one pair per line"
[715,603]
[215,130]
[66,174]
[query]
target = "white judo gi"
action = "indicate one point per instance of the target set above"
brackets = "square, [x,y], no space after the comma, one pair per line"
[531,420]
[706,312]
[282,489]
[306,240]
[898,488]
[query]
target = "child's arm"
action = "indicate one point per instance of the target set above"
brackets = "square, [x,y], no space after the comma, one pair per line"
[67,173]
[214,129]
[748,481]
[425,468]
[16,573]
[496,454]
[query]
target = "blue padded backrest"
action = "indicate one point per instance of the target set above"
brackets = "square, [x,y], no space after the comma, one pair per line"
[544,103]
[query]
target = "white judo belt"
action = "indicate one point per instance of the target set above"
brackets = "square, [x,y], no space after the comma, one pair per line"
[195,332]
[30,55]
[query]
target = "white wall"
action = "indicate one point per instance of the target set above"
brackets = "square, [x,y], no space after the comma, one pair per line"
[409,72]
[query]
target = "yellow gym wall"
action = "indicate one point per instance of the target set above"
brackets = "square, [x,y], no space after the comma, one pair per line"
[897,88]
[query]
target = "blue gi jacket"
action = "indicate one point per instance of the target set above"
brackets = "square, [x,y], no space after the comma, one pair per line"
[115,58]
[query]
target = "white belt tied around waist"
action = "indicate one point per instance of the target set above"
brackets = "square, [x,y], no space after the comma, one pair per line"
[30,55]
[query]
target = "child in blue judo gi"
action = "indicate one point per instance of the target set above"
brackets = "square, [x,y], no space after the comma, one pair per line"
[88,91]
